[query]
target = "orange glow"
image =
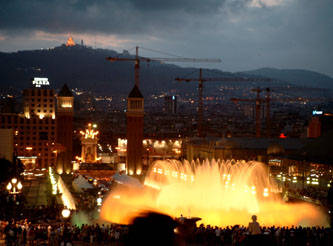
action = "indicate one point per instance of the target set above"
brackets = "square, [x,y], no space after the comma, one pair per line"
[28,148]
[66,105]
[70,41]
[220,192]
[89,132]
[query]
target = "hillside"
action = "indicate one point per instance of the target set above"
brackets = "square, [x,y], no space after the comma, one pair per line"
[297,77]
[85,67]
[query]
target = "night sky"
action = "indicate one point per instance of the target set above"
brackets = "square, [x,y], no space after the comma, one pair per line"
[245,34]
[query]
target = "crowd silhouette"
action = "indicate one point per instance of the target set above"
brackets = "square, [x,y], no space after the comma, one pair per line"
[158,229]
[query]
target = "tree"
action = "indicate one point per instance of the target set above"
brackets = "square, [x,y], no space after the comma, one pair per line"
[9,170]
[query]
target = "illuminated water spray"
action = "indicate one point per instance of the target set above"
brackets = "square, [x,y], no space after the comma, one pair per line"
[220,192]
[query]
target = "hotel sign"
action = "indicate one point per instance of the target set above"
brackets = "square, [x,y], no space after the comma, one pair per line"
[39,82]
[316,112]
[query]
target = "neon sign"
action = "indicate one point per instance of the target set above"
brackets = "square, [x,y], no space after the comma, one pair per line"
[38,82]
[316,112]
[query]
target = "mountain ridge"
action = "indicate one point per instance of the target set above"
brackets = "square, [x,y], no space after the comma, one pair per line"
[310,78]
[87,68]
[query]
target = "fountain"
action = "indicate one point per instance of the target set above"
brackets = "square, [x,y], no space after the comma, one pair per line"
[222,193]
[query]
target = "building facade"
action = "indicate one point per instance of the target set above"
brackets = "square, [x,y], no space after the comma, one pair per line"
[170,104]
[35,128]
[6,144]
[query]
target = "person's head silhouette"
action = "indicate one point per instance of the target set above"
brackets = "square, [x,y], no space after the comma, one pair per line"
[152,229]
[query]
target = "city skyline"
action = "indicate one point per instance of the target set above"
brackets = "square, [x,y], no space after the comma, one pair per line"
[245,34]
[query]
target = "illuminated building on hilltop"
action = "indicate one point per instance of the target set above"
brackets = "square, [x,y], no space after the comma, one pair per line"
[65,105]
[70,41]
[35,128]
[89,141]
[134,133]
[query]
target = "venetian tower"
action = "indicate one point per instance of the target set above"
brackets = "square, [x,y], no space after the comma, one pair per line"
[64,117]
[135,113]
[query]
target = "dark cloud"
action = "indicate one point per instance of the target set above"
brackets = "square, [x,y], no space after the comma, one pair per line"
[246,34]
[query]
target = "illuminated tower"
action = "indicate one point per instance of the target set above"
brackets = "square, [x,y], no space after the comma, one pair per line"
[89,141]
[135,113]
[64,119]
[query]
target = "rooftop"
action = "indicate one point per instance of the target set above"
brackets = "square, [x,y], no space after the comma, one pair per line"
[135,93]
[65,91]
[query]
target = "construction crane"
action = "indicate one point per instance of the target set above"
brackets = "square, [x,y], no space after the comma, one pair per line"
[137,59]
[267,100]
[258,102]
[201,80]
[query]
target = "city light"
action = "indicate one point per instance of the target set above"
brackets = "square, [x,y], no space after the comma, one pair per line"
[99,201]
[14,187]
[53,181]
[66,105]
[294,180]
[66,196]
[65,213]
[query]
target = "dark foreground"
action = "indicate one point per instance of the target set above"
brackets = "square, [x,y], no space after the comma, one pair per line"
[23,233]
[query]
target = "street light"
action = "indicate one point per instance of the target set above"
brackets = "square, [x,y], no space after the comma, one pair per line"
[14,187]
[65,213]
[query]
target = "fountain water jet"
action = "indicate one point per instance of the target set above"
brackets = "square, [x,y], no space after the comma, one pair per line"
[220,192]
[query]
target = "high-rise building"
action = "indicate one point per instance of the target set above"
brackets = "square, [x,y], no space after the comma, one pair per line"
[135,113]
[64,116]
[35,128]
[42,133]
[170,104]
[320,124]
[314,128]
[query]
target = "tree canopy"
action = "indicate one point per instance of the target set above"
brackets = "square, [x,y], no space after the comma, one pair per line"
[9,169]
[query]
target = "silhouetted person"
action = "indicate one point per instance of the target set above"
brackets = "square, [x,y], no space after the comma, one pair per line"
[255,232]
[152,229]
